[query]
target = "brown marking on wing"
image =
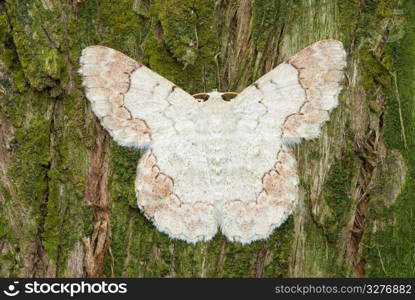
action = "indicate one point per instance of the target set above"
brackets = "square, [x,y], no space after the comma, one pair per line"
[106,73]
[320,58]
[156,198]
[279,190]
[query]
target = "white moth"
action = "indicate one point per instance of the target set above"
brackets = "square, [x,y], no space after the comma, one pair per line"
[216,163]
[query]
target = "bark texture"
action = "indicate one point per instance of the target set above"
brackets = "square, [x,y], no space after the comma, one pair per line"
[67,202]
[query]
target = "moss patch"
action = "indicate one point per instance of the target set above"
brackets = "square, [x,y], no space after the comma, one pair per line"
[391,240]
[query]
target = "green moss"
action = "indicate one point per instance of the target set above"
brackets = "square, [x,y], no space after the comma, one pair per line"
[124,169]
[52,219]
[325,234]
[337,194]
[4,228]
[28,173]
[30,161]
[188,29]
[183,45]
[9,56]
[389,250]
[68,217]
[373,72]
[28,36]
[117,25]
[53,63]
[268,18]
[123,164]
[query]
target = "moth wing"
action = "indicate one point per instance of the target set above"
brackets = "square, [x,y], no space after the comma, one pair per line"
[287,104]
[321,72]
[135,104]
[140,108]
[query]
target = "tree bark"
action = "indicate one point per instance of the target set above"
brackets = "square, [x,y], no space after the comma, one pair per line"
[67,201]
